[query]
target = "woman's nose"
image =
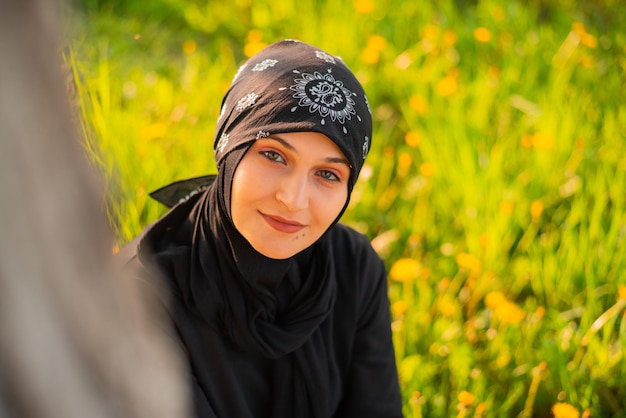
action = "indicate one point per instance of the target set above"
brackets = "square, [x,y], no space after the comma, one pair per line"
[293,192]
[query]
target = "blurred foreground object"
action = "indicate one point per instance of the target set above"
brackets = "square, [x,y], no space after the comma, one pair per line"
[74,342]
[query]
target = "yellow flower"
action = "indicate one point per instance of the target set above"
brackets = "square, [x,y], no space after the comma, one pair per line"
[251,48]
[364,6]
[579,28]
[466,398]
[482,34]
[503,309]
[370,56]
[483,240]
[427,169]
[589,40]
[494,298]
[413,139]
[543,141]
[154,131]
[405,269]
[399,308]
[449,38]
[255,35]
[189,47]
[255,43]
[536,209]
[506,207]
[377,42]
[404,162]
[527,141]
[621,291]
[564,410]
[447,86]
[419,104]
[469,262]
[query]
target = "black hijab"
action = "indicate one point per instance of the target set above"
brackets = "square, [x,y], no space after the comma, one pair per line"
[225,292]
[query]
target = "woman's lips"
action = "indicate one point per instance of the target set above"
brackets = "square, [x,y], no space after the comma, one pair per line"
[282,224]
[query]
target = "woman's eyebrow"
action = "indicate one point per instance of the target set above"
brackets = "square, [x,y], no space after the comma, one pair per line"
[283,142]
[290,147]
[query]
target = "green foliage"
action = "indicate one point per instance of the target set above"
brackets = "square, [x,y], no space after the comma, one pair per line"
[498,168]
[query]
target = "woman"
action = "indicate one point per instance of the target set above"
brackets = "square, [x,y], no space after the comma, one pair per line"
[280,310]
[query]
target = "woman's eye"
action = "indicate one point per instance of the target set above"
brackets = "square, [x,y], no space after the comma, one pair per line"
[328,175]
[273,156]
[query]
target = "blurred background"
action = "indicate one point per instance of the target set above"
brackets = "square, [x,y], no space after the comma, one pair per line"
[495,190]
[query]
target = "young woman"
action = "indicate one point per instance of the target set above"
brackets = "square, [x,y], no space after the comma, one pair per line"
[280,310]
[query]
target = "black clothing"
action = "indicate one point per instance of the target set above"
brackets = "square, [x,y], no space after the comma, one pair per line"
[306,336]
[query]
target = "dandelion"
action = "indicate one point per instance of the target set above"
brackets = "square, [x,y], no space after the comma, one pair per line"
[579,28]
[481,408]
[153,131]
[536,209]
[399,308]
[255,43]
[370,56]
[419,105]
[404,163]
[449,38]
[621,292]
[506,207]
[564,410]
[377,42]
[189,47]
[543,141]
[503,309]
[430,31]
[413,139]
[589,41]
[482,34]
[540,312]
[466,398]
[427,169]
[447,86]
[364,6]
[527,141]
[494,298]
[405,269]
[469,262]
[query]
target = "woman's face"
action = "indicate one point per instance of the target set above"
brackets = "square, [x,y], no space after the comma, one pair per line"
[287,190]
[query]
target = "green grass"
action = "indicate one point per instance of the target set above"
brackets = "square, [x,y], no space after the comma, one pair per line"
[498,166]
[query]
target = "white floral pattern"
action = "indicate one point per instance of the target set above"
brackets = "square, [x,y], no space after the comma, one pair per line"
[265,64]
[262,134]
[366,147]
[367,103]
[221,144]
[326,57]
[239,71]
[324,94]
[246,101]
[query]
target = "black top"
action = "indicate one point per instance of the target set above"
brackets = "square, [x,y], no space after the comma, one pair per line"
[316,342]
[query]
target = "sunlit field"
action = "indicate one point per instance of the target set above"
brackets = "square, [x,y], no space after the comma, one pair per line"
[495,190]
